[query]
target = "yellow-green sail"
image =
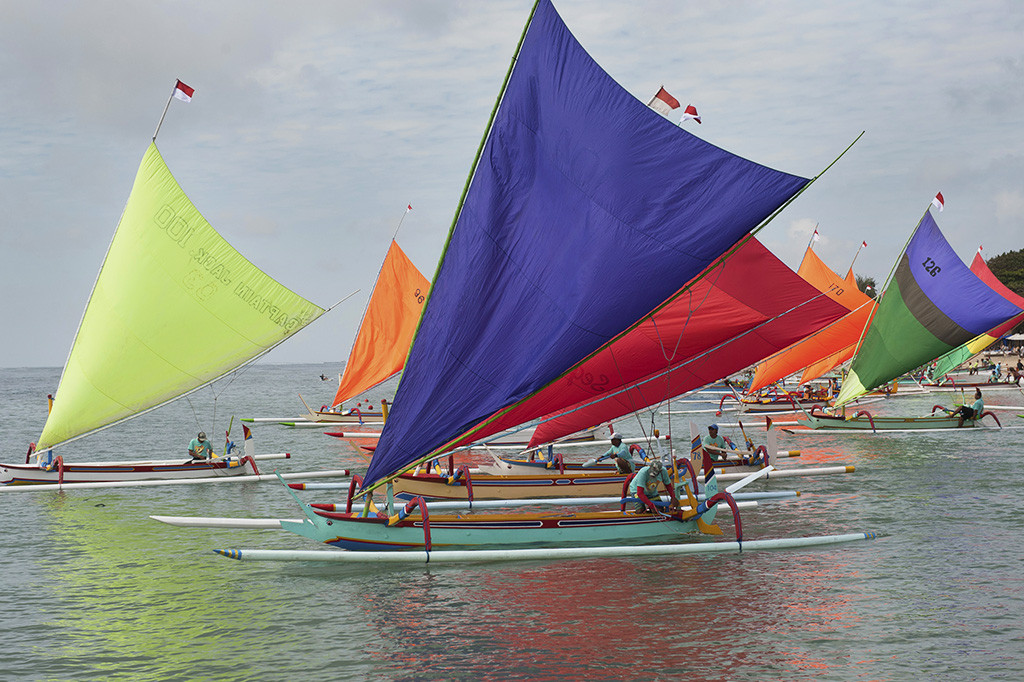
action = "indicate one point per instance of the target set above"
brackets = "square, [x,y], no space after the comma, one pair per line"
[174,307]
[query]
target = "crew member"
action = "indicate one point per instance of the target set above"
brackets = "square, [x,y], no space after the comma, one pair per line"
[648,479]
[200,448]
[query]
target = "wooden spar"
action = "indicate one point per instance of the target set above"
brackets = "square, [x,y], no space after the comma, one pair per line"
[338,473]
[455,556]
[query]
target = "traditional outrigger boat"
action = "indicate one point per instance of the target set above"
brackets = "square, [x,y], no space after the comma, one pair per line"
[568,155]
[933,304]
[131,356]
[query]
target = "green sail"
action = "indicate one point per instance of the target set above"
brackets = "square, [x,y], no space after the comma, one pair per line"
[174,307]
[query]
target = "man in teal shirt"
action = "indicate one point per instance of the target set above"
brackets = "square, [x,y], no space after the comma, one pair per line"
[714,444]
[648,479]
[619,454]
[972,412]
[200,448]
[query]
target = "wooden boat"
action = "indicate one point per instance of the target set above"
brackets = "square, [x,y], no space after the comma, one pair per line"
[862,421]
[131,355]
[94,472]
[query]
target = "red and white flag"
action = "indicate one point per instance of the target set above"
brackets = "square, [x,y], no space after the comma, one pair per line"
[815,237]
[864,244]
[408,208]
[183,92]
[938,202]
[663,103]
[690,113]
[979,249]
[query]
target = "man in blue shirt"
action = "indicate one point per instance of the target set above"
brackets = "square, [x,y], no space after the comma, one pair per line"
[200,448]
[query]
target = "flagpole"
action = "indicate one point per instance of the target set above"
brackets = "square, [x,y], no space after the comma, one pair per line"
[811,241]
[855,255]
[166,107]
[395,235]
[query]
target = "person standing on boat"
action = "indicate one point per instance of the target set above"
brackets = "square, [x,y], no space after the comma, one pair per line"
[715,444]
[200,448]
[647,480]
[619,454]
[972,412]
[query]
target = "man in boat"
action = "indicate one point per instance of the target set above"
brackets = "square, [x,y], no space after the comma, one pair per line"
[619,454]
[200,448]
[715,444]
[646,482]
[972,412]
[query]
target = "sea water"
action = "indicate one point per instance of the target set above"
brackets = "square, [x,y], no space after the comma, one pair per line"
[93,589]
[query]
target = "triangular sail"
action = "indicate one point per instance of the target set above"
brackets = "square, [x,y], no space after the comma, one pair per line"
[827,342]
[387,327]
[962,354]
[933,304]
[586,210]
[174,307]
[722,325]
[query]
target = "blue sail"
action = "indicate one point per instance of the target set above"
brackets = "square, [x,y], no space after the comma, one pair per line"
[586,210]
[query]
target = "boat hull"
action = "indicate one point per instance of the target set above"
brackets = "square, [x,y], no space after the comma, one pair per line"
[97,472]
[348,531]
[491,487]
[881,423]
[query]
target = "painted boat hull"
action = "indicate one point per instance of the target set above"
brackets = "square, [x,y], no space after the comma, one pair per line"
[513,466]
[351,532]
[881,423]
[102,472]
[491,487]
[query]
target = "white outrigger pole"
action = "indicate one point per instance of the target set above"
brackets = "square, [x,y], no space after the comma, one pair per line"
[457,556]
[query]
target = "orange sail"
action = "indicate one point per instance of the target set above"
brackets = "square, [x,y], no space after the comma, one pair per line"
[828,343]
[388,325]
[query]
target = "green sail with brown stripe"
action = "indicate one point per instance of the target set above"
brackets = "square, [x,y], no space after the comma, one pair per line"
[933,304]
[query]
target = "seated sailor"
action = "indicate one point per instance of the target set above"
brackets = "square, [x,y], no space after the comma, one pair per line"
[200,448]
[716,445]
[645,485]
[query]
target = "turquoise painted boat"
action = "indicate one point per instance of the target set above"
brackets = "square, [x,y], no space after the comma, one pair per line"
[350,531]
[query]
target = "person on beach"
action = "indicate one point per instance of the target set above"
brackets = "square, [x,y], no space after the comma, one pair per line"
[716,445]
[200,448]
[972,412]
[647,480]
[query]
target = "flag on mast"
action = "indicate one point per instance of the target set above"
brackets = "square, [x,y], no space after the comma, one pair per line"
[690,113]
[938,202]
[183,92]
[663,103]
[863,244]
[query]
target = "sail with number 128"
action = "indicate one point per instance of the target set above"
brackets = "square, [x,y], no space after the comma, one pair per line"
[174,308]
[933,304]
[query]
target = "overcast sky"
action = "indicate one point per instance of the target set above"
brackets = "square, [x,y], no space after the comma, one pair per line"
[315,123]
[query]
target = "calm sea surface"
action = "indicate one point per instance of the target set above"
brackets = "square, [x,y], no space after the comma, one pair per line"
[95,590]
